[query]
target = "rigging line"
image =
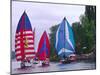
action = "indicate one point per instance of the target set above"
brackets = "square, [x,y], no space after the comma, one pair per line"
[64,38]
[26,41]
[22,23]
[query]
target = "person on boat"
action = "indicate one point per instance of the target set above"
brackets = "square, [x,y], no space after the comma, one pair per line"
[43,63]
[72,57]
[32,61]
[47,61]
[64,56]
[23,64]
[36,60]
[39,63]
[28,60]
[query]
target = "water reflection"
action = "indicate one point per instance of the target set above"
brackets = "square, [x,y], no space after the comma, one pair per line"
[54,66]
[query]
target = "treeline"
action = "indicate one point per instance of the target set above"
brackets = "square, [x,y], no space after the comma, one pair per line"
[84,33]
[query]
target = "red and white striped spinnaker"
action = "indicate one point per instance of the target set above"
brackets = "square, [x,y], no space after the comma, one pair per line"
[24,39]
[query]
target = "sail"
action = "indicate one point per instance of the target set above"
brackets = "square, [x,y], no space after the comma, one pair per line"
[64,44]
[44,47]
[24,39]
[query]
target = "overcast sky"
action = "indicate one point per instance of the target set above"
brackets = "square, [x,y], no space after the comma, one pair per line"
[43,16]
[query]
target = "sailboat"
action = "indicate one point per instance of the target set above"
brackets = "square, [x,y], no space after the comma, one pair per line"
[43,52]
[24,41]
[65,45]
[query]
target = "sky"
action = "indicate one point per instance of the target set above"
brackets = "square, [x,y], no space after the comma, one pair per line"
[43,16]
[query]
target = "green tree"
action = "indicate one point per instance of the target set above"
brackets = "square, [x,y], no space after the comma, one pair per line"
[88,39]
[90,12]
[78,34]
[85,31]
[53,54]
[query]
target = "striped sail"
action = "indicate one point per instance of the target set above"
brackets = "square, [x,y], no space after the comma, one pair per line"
[64,39]
[24,39]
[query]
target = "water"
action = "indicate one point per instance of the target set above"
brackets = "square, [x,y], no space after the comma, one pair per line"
[54,66]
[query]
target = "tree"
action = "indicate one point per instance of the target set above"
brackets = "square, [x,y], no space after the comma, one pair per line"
[78,34]
[85,31]
[53,53]
[88,27]
[90,12]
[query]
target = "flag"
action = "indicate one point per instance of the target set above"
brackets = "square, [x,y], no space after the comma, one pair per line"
[24,39]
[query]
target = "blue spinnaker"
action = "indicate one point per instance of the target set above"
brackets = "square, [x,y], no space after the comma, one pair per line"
[64,44]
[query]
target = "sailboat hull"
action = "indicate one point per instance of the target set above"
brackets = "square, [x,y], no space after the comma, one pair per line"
[71,58]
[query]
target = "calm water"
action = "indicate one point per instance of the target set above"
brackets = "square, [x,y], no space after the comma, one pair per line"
[80,65]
